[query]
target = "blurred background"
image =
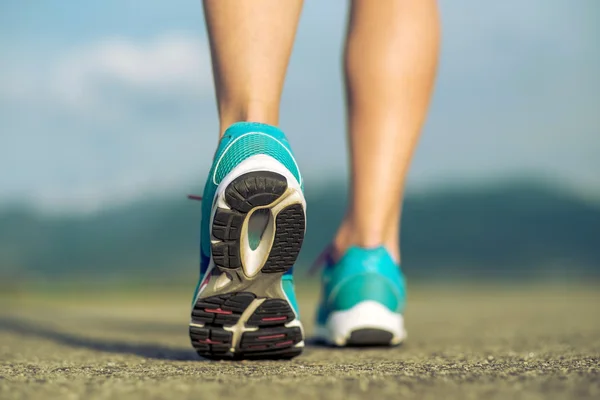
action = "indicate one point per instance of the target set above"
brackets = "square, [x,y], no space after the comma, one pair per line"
[108,121]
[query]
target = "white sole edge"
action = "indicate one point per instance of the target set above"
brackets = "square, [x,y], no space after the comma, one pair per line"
[365,315]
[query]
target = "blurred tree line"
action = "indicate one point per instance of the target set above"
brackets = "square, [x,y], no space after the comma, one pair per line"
[514,231]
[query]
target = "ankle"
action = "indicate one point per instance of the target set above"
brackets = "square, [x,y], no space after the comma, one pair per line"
[248,111]
[349,235]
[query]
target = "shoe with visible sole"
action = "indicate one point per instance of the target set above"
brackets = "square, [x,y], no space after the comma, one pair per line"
[362,301]
[253,224]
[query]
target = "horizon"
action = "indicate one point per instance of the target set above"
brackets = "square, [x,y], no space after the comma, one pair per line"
[319,188]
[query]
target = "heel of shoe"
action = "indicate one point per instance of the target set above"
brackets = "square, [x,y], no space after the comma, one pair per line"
[368,323]
[243,311]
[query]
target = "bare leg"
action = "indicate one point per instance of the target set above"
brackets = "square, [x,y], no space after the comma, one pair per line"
[390,63]
[251,42]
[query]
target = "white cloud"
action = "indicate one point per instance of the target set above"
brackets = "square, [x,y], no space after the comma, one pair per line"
[105,122]
[85,78]
[173,63]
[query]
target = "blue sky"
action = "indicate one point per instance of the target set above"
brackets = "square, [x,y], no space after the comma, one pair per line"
[104,102]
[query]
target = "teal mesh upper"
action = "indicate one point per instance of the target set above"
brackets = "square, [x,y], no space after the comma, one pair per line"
[361,275]
[253,144]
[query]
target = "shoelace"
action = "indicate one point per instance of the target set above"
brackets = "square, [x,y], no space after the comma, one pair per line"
[324,258]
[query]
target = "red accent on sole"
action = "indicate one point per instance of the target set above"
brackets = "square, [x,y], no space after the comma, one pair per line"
[218,311]
[205,282]
[271,337]
[209,341]
[270,319]
[285,343]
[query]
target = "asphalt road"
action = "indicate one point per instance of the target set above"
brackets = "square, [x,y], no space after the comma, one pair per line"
[464,343]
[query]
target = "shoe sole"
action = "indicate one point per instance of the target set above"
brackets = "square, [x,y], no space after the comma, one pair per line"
[366,324]
[243,312]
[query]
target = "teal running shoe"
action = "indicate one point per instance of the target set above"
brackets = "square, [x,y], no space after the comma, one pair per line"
[253,224]
[363,300]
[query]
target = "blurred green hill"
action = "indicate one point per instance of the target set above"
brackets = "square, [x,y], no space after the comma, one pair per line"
[515,230]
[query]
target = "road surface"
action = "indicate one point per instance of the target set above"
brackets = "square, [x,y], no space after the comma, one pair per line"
[465,342]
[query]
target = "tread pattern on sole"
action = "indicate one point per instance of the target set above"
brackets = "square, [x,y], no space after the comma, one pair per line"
[277,340]
[257,189]
[272,312]
[214,342]
[289,234]
[227,226]
[370,337]
[268,337]
[225,309]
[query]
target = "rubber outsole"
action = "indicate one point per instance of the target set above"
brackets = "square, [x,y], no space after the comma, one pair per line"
[266,335]
[364,337]
[248,191]
[243,324]
[369,337]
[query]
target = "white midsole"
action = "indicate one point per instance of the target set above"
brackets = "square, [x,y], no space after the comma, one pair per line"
[368,314]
